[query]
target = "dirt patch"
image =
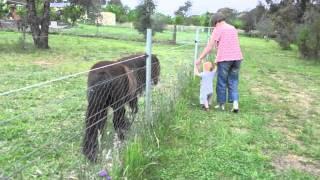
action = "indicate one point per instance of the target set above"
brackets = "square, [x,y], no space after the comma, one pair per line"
[290,136]
[294,103]
[294,162]
[43,63]
[266,92]
[296,94]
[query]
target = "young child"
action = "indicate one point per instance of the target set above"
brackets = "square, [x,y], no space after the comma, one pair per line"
[206,87]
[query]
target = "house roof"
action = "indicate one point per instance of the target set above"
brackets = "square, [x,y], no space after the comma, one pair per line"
[21,2]
[59,5]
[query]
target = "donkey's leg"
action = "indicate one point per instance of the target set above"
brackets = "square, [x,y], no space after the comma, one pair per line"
[120,122]
[95,120]
[133,104]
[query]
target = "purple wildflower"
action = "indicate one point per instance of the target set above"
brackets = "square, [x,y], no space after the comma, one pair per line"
[104,173]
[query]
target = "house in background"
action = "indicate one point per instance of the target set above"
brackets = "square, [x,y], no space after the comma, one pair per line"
[16,2]
[107,19]
[60,5]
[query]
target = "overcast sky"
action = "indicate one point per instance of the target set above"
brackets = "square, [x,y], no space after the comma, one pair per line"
[199,6]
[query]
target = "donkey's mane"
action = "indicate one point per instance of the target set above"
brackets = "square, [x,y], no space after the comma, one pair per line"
[115,86]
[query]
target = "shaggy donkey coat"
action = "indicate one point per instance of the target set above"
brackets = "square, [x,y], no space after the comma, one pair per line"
[114,86]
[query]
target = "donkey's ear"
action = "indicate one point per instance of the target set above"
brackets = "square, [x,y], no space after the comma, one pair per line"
[155,56]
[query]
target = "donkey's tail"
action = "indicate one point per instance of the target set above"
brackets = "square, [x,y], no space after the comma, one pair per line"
[132,88]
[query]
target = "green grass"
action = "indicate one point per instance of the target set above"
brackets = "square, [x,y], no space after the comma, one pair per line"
[41,128]
[276,135]
[125,33]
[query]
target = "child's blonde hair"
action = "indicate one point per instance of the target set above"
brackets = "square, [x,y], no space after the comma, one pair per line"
[208,66]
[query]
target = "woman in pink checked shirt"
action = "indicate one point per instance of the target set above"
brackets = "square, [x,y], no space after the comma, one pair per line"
[229,57]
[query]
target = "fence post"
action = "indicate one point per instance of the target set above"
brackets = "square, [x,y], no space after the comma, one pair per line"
[208,40]
[23,37]
[148,76]
[196,41]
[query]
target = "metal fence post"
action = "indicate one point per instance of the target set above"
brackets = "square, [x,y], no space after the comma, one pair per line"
[208,40]
[148,109]
[196,41]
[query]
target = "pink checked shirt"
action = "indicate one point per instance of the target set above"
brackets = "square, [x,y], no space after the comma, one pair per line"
[228,46]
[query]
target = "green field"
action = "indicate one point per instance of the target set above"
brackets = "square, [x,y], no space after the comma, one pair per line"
[125,33]
[32,121]
[276,135]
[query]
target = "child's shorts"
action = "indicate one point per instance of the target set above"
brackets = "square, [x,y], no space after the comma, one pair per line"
[206,98]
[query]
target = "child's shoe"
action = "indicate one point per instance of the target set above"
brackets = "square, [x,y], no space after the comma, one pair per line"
[204,108]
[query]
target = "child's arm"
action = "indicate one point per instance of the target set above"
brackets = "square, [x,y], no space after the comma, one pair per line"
[196,70]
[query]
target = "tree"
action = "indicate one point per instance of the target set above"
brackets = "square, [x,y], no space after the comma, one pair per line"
[248,21]
[285,21]
[3,9]
[252,18]
[92,8]
[115,2]
[205,19]
[193,20]
[180,14]
[159,21]
[39,22]
[132,15]
[259,13]
[120,11]
[308,38]
[228,13]
[144,13]
[73,13]
[237,23]
[183,10]
[285,17]
[297,21]
[265,27]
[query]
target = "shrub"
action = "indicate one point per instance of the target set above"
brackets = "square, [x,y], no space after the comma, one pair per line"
[205,19]
[132,15]
[54,15]
[193,20]
[237,23]
[308,37]
[265,27]
[248,20]
[283,39]
[159,22]
[284,21]
[3,10]
[179,20]
[120,12]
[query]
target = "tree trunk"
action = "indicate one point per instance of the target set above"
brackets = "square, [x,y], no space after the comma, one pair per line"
[39,25]
[174,38]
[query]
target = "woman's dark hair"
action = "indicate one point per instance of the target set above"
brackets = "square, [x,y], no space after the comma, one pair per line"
[216,18]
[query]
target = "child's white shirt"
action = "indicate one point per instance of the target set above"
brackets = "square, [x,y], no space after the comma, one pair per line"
[206,86]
